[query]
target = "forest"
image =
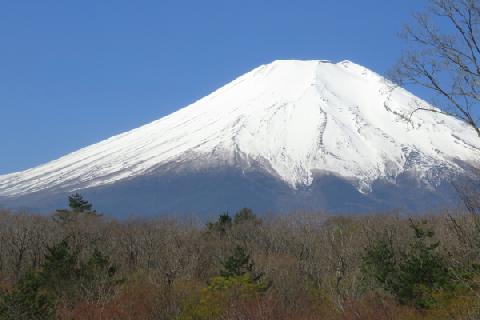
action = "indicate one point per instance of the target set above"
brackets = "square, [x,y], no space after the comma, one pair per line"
[79,264]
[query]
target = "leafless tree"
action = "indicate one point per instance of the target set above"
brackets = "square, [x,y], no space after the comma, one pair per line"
[444,57]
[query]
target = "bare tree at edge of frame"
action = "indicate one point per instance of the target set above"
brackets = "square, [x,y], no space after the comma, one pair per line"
[443,56]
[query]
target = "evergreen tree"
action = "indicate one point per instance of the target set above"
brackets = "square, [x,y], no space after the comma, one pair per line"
[27,300]
[237,264]
[64,278]
[222,225]
[413,275]
[224,220]
[237,282]
[246,215]
[67,276]
[78,207]
[60,269]
[78,204]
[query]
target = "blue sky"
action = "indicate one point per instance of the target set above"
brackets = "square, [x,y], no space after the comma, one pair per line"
[75,72]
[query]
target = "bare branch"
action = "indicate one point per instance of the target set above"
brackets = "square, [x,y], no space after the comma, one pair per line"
[446,61]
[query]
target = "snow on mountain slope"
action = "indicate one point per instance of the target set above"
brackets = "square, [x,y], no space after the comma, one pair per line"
[295,118]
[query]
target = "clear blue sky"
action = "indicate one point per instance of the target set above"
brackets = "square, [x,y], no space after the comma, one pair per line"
[75,72]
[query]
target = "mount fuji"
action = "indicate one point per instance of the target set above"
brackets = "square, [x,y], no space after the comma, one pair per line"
[289,135]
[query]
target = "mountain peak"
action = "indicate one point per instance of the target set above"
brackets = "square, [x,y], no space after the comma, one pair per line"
[292,119]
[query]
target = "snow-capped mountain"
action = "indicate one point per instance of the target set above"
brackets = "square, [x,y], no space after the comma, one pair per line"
[292,123]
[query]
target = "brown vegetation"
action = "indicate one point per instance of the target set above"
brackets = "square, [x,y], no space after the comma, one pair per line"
[298,266]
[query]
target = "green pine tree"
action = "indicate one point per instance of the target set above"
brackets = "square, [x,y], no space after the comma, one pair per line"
[78,204]
[412,275]
[246,215]
[64,277]
[27,300]
[237,264]
[78,207]
[222,225]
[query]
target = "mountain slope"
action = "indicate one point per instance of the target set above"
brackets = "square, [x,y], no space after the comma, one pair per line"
[293,121]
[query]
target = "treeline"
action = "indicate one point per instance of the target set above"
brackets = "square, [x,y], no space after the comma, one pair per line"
[78,264]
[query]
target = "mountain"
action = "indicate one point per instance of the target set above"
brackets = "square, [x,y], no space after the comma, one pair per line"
[289,135]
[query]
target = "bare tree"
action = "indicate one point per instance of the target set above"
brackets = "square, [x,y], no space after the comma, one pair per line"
[444,57]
